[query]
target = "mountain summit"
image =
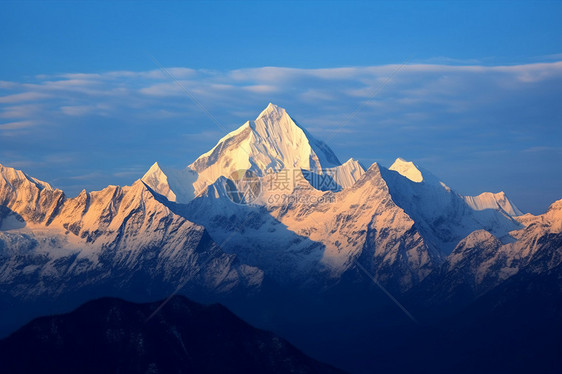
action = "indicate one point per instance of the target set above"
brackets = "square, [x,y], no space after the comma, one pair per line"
[270,143]
[407,169]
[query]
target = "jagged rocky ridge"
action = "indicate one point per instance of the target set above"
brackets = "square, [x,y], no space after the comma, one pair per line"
[51,245]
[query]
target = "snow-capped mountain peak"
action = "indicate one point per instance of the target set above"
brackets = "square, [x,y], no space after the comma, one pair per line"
[33,200]
[347,173]
[407,169]
[486,200]
[15,178]
[175,185]
[489,200]
[273,142]
[272,111]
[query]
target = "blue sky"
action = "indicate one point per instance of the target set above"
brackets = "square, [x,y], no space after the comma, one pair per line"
[469,90]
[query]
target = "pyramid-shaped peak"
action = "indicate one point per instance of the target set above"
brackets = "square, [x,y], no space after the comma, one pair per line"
[275,126]
[272,111]
[274,118]
[273,142]
[407,169]
[154,172]
[155,167]
[175,185]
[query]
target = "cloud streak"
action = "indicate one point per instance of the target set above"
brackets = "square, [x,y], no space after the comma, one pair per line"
[16,125]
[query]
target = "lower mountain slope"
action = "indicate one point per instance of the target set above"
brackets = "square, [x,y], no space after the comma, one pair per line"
[514,328]
[481,262]
[179,336]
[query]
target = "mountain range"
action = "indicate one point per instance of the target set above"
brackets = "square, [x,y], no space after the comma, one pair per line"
[269,210]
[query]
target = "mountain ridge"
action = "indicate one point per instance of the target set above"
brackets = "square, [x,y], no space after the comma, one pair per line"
[440,218]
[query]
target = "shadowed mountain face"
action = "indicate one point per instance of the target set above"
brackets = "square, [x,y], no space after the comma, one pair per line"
[114,336]
[516,328]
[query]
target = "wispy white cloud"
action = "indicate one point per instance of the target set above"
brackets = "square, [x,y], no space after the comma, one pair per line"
[78,110]
[16,125]
[543,149]
[414,83]
[21,111]
[87,176]
[163,89]
[262,88]
[23,97]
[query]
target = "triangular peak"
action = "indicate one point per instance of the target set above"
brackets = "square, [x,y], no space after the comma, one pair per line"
[274,121]
[347,173]
[174,185]
[155,168]
[10,175]
[156,179]
[275,124]
[273,142]
[407,169]
[373,170]
[272,111]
